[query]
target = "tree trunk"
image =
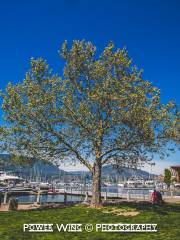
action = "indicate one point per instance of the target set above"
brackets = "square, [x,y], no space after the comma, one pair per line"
[96,188]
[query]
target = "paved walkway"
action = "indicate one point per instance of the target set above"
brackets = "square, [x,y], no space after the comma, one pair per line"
[4,207]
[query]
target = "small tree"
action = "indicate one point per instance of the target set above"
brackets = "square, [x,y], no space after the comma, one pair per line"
[167,177]
[100,111]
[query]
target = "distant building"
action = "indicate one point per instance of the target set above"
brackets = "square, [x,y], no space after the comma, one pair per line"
[160,178]
[175,172]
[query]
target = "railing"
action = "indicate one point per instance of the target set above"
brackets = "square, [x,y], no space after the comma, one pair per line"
[131,193]
[71,194]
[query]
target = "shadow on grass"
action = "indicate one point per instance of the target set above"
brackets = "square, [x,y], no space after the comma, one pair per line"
[147,206]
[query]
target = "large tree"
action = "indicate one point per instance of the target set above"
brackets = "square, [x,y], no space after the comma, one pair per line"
[99,111]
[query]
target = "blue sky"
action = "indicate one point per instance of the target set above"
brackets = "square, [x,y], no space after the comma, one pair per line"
[149,29]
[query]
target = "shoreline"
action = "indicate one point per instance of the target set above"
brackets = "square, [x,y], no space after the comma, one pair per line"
[48,205]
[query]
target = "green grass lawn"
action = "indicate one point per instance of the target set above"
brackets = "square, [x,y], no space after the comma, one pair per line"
[167,217]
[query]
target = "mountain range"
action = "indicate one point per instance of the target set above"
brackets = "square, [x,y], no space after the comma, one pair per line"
[49,170]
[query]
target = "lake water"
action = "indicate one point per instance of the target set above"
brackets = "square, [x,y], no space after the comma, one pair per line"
[111,192]
[121,190]
[48,198]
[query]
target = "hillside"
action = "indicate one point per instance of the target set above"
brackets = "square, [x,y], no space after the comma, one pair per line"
[49,170]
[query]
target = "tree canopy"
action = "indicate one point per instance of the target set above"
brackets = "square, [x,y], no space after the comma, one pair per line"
[167,176]
[99,111]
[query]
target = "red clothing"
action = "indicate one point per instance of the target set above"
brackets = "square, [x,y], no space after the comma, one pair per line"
[154,197]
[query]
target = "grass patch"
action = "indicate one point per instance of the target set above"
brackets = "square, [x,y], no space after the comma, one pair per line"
[167,217]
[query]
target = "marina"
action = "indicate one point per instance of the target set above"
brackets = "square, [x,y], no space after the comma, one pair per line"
[27,191]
